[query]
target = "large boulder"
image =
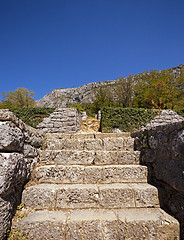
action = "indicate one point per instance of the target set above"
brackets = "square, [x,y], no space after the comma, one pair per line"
[18,155]
[13,175]
[11,138]
[161,144]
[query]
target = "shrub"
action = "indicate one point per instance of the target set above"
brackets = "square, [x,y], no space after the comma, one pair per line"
[125,119]
[32,116]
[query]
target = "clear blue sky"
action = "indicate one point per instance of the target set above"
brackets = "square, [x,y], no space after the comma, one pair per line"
[49,44]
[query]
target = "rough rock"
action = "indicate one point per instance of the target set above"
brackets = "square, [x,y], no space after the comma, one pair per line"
[161,144]
[93,224]
[11,138]
[18,155]
[62,120]
[63,97]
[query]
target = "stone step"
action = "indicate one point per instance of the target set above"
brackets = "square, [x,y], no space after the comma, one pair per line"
[78,174]
[82,196]
[106,144]
[97,224]
[87,135]
[69,157]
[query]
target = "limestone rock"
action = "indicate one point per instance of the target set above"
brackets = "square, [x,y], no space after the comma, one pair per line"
[11,138]
[13,171]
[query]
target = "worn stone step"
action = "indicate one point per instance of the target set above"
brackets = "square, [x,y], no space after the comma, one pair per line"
[69,157]
[73,196]
[87,135]
[97,224]
[90,174]
[106,144]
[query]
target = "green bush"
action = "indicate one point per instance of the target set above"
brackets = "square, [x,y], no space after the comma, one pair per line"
[126,119]
[181,112]
[32,116]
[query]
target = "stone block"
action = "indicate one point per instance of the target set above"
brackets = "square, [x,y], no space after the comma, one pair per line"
[92,224]
[59,174]
[146,224]
[128,157]
[42,196]
[93,144]
[124,174]
[93,174]
[67,157]
[106,157]
[116,196]
[44,225]
[77,196]
[145,195]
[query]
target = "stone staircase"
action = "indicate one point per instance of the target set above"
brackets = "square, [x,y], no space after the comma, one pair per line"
[91,186]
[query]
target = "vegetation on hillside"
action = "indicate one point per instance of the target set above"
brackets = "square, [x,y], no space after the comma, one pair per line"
[149,90]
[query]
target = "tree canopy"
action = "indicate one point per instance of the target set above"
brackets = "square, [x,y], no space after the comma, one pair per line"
[20,98]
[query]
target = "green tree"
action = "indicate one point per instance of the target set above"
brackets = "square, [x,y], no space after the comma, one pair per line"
[20,98]
[103,98]
[156,89]
[124,91]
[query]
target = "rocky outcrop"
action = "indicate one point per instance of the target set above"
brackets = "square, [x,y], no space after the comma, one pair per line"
[60,98]
[18,155]
[161,144]
[62,120]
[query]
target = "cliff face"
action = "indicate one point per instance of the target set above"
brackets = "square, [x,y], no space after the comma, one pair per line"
[63,97]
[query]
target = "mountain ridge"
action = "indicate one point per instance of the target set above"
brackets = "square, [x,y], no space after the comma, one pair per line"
[63,97]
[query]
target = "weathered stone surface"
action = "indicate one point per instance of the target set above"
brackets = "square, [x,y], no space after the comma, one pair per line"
[80,136]
[13,175]
[106,144]
[162,147]
[116,196]
[42,196]
[124,174]
[11,138]
[17,158]
[90,174]
[87,184]
[67,157]
[62,120]
[77,196]
[119,195]
[59,174]
[147,224]
[145,195]
[13,171]
[43,225]
[98,224]
[70,157]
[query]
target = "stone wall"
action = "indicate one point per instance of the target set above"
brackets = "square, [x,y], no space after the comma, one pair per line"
[62,120]
[161,144]
[19,145]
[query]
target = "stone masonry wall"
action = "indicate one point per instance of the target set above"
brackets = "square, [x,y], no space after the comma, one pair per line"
[62,120]
[19,145]
[161,144]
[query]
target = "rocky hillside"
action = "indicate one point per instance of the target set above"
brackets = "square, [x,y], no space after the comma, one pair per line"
[64,97]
